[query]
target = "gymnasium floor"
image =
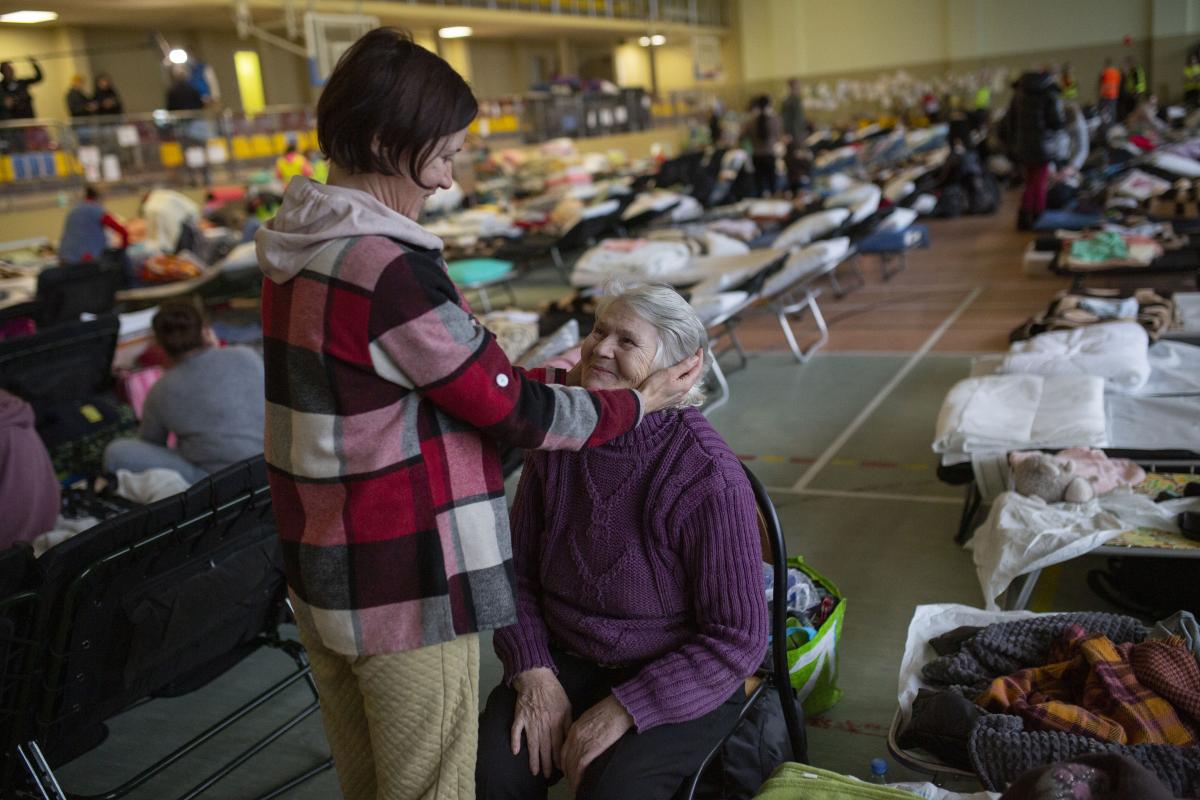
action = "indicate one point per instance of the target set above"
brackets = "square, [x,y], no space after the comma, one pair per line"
[843,444]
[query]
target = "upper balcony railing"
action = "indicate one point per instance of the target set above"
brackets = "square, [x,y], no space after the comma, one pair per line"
[687,12]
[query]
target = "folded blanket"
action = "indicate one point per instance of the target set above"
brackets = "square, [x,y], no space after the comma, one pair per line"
[1014,412]
[1114,351]
[639,259]
[810,227]
[1002,750]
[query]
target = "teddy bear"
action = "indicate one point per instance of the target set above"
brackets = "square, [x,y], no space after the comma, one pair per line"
[1042,475]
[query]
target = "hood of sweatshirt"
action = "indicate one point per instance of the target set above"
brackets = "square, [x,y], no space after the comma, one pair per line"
[313,215]
[14,412]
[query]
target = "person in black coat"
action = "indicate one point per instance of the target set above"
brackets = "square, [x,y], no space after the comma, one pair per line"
[78,103]
[14,91]
[182,96]
[1035,114]
[107,100]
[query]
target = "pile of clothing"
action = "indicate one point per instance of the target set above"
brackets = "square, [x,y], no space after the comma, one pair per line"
[809,604]
[1070,310]
[1013,696]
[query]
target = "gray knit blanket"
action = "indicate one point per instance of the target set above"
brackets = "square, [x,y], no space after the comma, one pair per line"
[1002,750]
[1007,647]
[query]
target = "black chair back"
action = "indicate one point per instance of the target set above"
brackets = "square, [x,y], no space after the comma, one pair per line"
[774,542]
[70,361]
[167,595]
[63,293]
[19,617]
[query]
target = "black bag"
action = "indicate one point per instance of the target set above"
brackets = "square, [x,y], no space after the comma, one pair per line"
[757,746]
[1150,588]
[985,194]
[952,203]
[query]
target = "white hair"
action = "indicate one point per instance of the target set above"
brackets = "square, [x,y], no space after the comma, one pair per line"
[680,331]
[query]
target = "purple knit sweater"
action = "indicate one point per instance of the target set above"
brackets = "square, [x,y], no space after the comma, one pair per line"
[643,551]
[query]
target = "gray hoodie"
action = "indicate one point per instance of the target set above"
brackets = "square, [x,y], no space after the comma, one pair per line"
[313,215]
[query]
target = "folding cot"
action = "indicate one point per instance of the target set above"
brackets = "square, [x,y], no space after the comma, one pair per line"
[155,602]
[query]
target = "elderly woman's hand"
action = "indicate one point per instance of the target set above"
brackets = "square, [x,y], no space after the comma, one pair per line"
[596,730]
[667,387]
[543,712]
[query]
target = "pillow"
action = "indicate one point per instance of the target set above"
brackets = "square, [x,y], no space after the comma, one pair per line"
[898,220]
[898,189]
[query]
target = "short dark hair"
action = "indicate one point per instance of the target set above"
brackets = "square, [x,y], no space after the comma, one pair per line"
[387,98]
[179,327]
[91,193]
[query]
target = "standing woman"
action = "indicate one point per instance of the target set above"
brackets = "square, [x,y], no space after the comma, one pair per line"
[386,404]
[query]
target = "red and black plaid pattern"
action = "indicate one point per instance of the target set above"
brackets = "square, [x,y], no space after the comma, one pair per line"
[384,401]
[1168,667]
[1089,688]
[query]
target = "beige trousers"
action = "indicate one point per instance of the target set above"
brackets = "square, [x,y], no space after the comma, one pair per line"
[401,726]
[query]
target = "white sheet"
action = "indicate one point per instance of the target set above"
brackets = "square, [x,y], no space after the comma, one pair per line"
[1024,534]
[1114,351]
[898,220]
[929,622]
[1174,369]
[862,200]
[1154,423]
[631,260]
[1018,412]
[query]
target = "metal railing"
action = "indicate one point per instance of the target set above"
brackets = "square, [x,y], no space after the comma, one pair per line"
[687,12]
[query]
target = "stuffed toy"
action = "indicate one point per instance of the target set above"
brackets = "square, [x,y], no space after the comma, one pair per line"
[1041,475]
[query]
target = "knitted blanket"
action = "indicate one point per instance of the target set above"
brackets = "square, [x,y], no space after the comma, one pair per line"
[1008,647]
[1001,750]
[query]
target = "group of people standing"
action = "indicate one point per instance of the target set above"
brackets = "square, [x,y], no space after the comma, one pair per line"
[103,101]
[773,139]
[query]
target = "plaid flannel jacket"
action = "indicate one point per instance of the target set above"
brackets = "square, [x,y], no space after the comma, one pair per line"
[385,400]
[1090,689]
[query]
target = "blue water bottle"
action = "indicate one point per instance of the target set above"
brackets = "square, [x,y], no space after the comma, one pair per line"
[878,770]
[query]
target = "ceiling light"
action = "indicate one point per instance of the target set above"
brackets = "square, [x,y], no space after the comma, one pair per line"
[177,56]
[455,32]
[658,40]
[644,41]
[29,17]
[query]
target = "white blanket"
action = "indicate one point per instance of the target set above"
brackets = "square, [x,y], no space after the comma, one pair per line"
[1024,534]
[810,227]
[808,262]
[1154,423]
[1020,412]
[862,200]
[1114,351]
[636,259]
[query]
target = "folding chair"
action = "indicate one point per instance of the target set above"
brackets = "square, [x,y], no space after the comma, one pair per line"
[158,602]
[774,546]
[63,293]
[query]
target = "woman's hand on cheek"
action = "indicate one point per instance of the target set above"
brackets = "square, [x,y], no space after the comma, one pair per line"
[543,713]
[667,387]
[596,730]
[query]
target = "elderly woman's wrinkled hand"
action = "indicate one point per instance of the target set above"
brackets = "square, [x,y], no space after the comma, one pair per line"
[667,387]
[543,713]
[596,730]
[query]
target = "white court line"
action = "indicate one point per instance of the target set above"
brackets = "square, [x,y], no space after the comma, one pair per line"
[863,415]
[954,501]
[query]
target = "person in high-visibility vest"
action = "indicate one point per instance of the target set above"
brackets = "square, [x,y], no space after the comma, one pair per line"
[1068,84]
[1191,80]
[1133,87]
[291,164]
[1110,91]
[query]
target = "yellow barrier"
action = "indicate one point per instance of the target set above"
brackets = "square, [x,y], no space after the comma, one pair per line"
[170,154]
[261,145]
[6,169]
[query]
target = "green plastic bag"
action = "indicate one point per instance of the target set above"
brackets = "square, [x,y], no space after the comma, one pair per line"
[813,667]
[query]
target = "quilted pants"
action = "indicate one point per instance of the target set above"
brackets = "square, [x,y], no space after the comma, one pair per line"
[401,726]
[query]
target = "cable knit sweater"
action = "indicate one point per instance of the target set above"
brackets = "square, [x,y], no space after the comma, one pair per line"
[642,552]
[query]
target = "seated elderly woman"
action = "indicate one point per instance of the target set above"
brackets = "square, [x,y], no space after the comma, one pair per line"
[639,588]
